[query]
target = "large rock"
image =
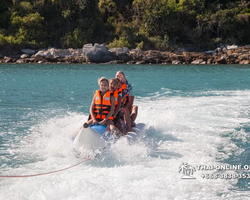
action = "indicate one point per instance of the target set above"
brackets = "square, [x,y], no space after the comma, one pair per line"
[99,53]
[106,58]
[24,56]
[245,56]
[136,54]
[95,54]
[177,57]
[210,61]
[176,62]
[89,45]
[20,61]
[156,55]
[121,53]
[7,59]
[232,47]
[56,53]
[86,48]
[76,53]
[197,62]
[74,59]
[245,62]
[221,60]
[40,54]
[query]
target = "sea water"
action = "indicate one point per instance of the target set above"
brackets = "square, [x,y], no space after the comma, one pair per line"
[197,122]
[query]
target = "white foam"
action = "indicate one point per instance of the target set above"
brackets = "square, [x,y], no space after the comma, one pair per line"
[180,129]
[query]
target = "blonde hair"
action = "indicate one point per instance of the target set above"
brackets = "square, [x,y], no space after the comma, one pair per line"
[113,79]
[102,79]
[121,72]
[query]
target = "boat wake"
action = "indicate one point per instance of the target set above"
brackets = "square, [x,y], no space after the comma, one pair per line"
[195,130]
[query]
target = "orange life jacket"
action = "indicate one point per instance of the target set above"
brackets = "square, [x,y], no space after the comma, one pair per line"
[102,105]
[124,86]
[119,91]
[116,94]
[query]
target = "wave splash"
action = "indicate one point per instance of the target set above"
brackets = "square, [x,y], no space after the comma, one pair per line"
[205,129]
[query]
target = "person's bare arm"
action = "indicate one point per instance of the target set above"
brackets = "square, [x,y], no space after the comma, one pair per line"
[91,110]
[130,102]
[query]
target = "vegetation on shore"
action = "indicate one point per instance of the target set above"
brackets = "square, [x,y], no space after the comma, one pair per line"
[143,24]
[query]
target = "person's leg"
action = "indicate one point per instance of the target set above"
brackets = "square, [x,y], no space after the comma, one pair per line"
[133,115]
[127,119]
[112,128]
[117,123]
[120,127]
[88,123]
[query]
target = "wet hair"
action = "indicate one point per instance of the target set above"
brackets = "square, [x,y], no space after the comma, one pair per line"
[113,79]
[102,79]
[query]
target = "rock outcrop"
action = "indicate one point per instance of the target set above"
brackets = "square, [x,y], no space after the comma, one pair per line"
[99,53]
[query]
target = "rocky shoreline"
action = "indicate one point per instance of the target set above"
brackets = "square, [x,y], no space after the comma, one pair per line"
[100,54]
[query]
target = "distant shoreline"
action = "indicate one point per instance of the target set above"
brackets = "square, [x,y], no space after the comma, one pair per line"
[99,54]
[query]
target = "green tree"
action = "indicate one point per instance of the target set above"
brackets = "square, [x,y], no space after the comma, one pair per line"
[26,25]
[147,24]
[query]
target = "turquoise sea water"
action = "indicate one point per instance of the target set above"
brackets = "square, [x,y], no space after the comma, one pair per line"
[194,114]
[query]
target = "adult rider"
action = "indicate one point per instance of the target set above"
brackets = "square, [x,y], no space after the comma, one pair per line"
[130,111]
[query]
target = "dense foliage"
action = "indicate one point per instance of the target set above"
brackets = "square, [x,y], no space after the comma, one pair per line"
[143,24]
